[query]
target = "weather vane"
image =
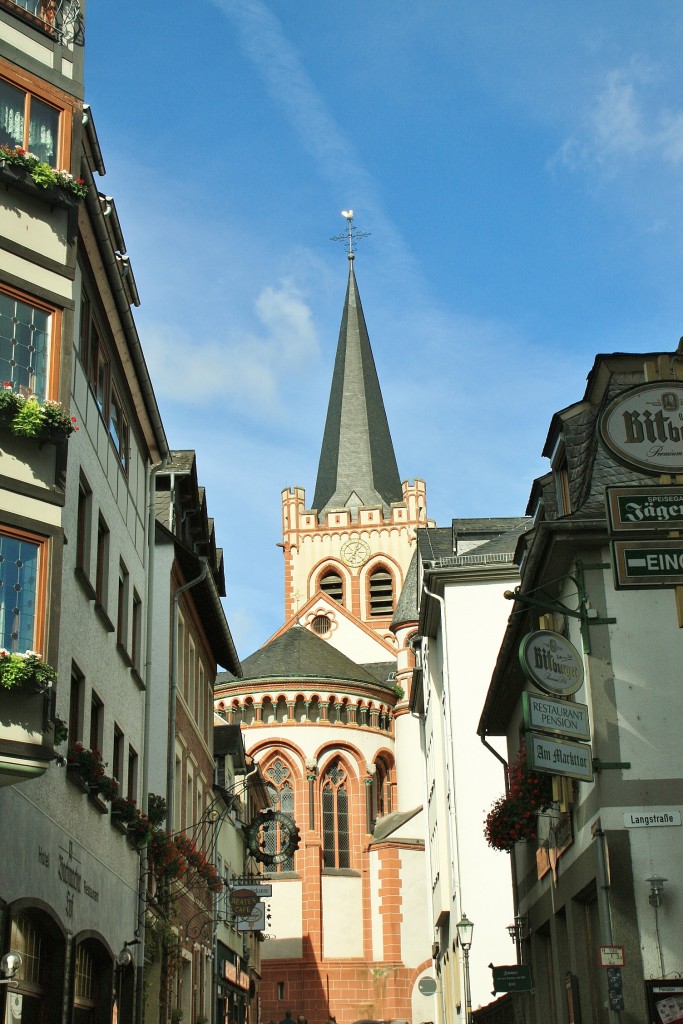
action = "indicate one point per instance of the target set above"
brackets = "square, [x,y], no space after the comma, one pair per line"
[352,235]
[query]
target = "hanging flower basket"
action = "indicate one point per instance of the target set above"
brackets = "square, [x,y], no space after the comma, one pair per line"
[512,819]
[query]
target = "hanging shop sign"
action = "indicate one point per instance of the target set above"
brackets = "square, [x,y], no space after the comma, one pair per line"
[551,662]
[647,563]
[256,920]
[242,902]
[562,717]
[559,757]
[643,427]
[515,978]
[270,830]
[635,509]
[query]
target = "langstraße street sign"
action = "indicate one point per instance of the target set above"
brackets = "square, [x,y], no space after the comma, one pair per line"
[647,563]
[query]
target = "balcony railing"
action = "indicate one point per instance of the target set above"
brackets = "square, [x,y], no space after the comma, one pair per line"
[58,18]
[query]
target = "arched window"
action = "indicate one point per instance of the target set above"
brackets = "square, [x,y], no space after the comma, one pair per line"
[332,585]
[281,793]
[381,593]
[335,817]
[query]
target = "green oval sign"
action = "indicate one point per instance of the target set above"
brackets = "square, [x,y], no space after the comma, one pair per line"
[551,662]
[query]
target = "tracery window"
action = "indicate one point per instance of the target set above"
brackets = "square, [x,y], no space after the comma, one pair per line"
[281,793]
[335,817]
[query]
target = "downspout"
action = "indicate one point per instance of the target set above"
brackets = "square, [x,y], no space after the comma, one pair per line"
[147,671]
[603,896]
[452,824]
[170,781]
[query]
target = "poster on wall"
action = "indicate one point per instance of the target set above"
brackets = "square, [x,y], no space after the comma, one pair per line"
[665,1000]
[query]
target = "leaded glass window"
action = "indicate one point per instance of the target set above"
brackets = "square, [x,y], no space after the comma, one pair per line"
[18,592]
[281,794]
[24,340]
[335,817]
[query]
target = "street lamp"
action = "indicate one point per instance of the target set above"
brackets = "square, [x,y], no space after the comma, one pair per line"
[464,928]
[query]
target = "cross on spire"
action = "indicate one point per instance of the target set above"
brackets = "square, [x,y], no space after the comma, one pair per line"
[351,236]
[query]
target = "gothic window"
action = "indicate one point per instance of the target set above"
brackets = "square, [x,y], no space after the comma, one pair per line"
[281,794]
[381,593]
[332,585]
[335,817]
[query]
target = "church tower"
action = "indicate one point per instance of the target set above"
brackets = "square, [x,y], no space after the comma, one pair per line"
[355,544]
[323,710]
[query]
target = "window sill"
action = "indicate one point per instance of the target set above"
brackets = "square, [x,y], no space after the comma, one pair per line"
[86,585]
[344,872]
[104,618]
[96,800]
[137,679]
[124,655]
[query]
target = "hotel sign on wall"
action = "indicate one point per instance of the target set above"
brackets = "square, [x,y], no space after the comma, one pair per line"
[559,757]
[643,427]
[634,509]
[563,717]
[551,662]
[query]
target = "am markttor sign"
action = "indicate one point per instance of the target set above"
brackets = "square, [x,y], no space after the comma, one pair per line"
[513,978]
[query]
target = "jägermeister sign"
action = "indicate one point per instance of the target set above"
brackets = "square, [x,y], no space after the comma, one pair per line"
[643,427]
[551,662]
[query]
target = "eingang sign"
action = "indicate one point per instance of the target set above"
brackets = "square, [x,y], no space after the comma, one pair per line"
[551,662]
[643,427]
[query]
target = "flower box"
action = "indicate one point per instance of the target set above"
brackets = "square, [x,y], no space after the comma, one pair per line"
[25,736]
[18,177]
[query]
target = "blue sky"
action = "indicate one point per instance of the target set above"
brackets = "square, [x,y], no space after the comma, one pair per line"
[518,166]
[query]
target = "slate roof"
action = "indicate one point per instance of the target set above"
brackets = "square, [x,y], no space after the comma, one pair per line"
[591,468]
[357,461]
[407,607]
[300,654]
[497,536]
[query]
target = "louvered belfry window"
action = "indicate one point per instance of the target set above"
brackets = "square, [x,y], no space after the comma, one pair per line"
[332,585]
[335,817]
[381,593]
[281,795]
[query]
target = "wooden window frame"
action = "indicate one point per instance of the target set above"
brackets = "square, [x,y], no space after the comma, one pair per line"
[102,568]
[76,708]
[64,104]
[40,617]
[122,445]
[55,336]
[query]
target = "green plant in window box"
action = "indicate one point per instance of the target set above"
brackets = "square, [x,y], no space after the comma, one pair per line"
[125,809]
[27,416]
[42,174]
[399,691]
[156,809]
[86,763]
[26,670]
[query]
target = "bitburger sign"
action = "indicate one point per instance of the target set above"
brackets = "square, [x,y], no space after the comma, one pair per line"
[643,427]
[551,662]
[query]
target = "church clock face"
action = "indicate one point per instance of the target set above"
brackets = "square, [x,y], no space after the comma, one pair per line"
[355,552]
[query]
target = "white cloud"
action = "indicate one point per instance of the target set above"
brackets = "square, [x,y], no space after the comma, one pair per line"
[624,125]
[247,369]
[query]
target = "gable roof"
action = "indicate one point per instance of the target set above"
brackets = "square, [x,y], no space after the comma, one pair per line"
[357,461]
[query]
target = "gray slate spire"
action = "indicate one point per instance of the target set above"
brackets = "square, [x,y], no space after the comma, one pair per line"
[357,461]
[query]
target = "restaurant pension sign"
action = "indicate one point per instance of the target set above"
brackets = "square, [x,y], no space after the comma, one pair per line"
[551,662]
[643,427]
